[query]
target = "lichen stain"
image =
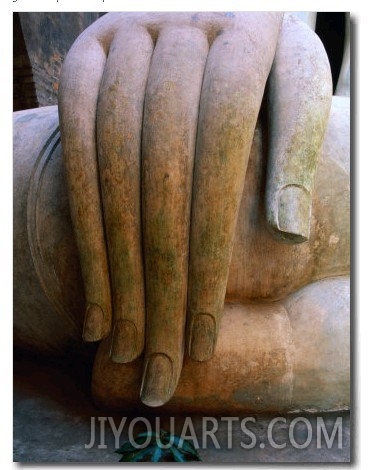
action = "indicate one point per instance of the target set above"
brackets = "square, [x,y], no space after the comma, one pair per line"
[333,240]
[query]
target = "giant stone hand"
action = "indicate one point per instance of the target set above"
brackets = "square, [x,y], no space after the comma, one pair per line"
[158,113]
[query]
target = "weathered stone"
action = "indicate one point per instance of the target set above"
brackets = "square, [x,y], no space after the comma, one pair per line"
[288,342]
[165,171]
[181,93]
[291,355]
[58,32]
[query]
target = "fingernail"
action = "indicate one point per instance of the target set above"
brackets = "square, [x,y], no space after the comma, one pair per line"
[157,380]
[93,323]
[294,213]
[124,342]
[202,337]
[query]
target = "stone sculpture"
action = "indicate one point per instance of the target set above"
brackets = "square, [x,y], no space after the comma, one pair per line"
[184,91]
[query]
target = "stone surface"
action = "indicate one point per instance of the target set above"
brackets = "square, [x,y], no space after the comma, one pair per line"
[276,269]
[190,188]
[48,289]
[199,81]
[35,289]
[52,424]
[48,37]
[24,91]
[276,356]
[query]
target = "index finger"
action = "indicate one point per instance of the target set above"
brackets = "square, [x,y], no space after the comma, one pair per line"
[236,72]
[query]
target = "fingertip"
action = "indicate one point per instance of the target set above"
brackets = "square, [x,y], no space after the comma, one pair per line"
[202,337]
[97,323]
[290,223]
[158,380]
[93,328]
[125,344]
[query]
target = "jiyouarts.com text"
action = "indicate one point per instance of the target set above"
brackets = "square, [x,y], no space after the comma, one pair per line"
[220,433]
